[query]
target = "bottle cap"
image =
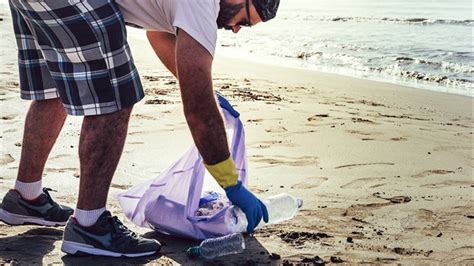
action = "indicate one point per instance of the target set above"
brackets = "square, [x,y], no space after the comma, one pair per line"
[194,252]
[299,202]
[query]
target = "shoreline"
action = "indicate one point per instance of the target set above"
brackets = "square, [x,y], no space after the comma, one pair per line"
[346,72]
[358,86]
[222,55]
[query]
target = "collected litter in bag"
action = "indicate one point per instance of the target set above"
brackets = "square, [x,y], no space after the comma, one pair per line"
[211,202]
[169,203]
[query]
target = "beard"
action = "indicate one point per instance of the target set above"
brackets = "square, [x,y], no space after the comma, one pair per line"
[227,12]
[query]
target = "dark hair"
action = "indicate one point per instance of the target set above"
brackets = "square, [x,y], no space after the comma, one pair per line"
[227,12]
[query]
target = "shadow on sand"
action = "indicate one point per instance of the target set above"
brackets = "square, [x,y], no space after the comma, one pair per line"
[175,248]
[33,245]
[174,252]
[29,247]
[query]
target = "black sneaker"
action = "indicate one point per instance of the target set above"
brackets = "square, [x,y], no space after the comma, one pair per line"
[14,210]
[107,237]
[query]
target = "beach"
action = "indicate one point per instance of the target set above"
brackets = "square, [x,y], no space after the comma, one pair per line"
[385,171]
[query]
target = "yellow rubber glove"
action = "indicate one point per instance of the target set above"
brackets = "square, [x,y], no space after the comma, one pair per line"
[224,172]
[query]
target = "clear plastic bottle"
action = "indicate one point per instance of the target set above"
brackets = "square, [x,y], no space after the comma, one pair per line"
[216,247]
[281,207]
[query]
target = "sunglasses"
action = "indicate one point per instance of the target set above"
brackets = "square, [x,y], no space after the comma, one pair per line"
[246,22]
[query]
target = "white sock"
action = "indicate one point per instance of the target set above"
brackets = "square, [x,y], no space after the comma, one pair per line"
[29,191]
[87,217]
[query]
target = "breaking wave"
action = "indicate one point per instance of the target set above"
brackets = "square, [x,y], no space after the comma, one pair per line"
[415,21]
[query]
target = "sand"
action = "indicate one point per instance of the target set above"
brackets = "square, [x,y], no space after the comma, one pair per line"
[385,171]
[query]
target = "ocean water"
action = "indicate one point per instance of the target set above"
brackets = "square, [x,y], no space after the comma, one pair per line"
[426,44]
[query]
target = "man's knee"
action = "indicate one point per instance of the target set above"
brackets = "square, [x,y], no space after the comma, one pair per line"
[52,108]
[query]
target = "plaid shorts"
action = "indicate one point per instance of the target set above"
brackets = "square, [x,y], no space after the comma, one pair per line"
[76,50]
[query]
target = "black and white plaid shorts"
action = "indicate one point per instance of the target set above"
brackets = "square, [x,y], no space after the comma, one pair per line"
[76,50]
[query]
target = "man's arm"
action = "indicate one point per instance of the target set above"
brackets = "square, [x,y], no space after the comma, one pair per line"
[194,69]
[200,108]
[164,45]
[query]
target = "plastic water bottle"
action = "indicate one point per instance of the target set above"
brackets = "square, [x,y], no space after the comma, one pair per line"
[281,207]
[216,247]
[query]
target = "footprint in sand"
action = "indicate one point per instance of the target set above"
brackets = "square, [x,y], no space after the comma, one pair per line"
[6,159]
[272,143]
[61,170]
[399,139]
[422,219]
[59,156]
[284,160]
[135,133]
[120,186]
[357,132]
[448,183]
[254,120]
[363,208]
[317,117]
[362,133]
[362,120]
[433,172]
[364,182]
[361,164]
[276,130]
[10,130]
[8,98]
[136,142]
[311,182]
[452,148]
[145,117]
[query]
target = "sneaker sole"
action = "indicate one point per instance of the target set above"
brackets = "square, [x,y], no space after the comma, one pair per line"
[17,219]
[74,248]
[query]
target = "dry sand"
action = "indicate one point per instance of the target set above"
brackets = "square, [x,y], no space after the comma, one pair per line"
[385,171]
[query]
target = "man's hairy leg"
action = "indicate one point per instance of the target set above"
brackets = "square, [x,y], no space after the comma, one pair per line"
[43,123]
[100,148]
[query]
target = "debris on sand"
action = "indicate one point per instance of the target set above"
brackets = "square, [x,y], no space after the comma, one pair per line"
[299,238]
[314,261]
[335,259]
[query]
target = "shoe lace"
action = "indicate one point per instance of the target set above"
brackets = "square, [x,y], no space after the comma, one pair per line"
[120,229]
[46,191]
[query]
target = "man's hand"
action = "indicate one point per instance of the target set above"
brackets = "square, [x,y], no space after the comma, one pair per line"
[253,208]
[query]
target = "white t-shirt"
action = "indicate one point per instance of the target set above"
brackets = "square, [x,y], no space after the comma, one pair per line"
[196,17]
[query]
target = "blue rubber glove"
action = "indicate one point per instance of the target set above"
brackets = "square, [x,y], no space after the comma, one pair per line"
[253,208]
